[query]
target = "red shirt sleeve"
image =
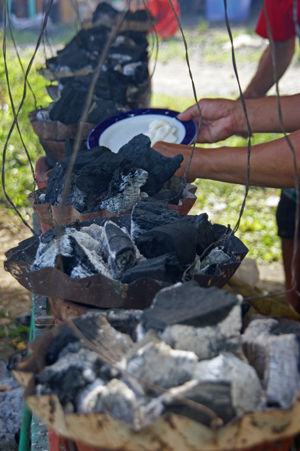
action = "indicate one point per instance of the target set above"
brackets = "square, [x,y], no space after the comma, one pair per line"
[165,21]
[280,13]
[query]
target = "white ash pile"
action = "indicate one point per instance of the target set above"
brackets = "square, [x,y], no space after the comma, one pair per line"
[137,366]
[155,242]
[124,81]
[103,180]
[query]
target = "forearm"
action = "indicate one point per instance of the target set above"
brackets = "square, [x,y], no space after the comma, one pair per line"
[271,164]
[263,114]
[264,79]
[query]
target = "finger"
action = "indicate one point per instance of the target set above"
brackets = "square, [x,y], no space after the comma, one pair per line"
[190,114]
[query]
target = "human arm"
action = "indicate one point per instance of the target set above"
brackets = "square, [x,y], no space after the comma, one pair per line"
[222,118]
[263,78]
[271,164]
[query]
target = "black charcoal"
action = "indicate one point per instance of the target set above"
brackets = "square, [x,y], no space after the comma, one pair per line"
[179,238]
[150,213]
[119,250]
[188,304]
[216,396]
[159,167]
[165,268]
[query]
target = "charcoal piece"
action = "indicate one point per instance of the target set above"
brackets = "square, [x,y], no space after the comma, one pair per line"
[48,252]
[165,268]
[207,341]
[68,375]
[158,364]
[159,167]
[178,238]
[150,213]
[69,108]
[215,257]
[246,391]
[119,249]
[66,337]
[189,304]
[275,358]
[76,253]
[216,396]
[125,321]
[111,344]
[124,192]
[87,398]
[104,11]
[94,170]
[118,400]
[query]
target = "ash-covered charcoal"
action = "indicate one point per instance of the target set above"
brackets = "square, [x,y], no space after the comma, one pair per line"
[216,257]
[101,180]
[216,396]
[179,238]
[87,399]
[124,192]
[246,391]
[75,252]
[158,364]
[160,168]
[275,356]
[188,304]
[126,321]
[165,268]
[68,375]
[210,336]
[118,400]
[120,252]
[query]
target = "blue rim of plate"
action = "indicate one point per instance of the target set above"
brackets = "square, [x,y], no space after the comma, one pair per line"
[93,138]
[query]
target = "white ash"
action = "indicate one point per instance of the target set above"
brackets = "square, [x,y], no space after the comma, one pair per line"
[207,342]
[42,198]
[94,230]
[130,68]
[246,389]
[87,399]
[47,253]
[158,364]
[129,193]
[42,115]
[216,256]
[118,400]
[276,359]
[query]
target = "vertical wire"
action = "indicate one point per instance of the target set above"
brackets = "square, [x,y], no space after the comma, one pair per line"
[290,145]
[246,117]
[4,152]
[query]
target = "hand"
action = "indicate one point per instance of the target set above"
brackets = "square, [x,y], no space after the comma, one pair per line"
[221,118]
[171,150]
